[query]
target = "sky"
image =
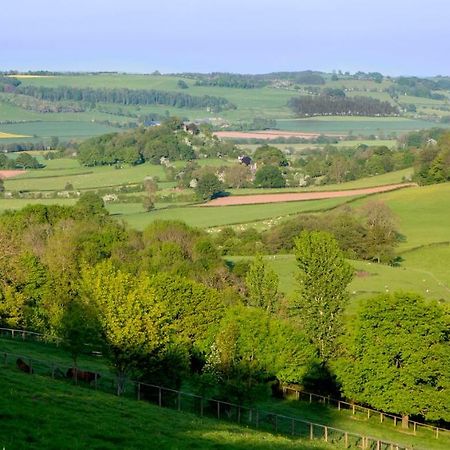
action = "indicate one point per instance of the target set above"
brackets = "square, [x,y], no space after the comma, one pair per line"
[395,37]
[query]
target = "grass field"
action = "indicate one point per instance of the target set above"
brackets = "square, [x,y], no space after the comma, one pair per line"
[227,215]
[423,214]
[357,125]
[40,413]
[48,397]
[61,129]
[428,278]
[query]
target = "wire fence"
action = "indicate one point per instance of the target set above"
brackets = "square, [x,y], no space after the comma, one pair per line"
[204,407]
[341,405]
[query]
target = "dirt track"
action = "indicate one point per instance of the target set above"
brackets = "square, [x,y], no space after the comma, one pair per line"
[10,173]
[269,134]
[295,197]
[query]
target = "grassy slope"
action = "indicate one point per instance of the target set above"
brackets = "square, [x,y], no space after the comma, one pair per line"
[423,213]
[38,413]
[207,217]
[61,395]
[428,277]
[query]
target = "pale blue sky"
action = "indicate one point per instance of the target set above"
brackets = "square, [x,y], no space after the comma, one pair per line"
[394,37]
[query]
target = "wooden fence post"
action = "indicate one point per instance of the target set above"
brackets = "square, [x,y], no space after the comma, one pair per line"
[139,391]
[339,405]
[326,434]
[381,417]
[346,439]
[218,409]
[5,359]
[310,398]
[415,427]
[353,408]
[311,431]
[437,433]
[159,397]
[293,427]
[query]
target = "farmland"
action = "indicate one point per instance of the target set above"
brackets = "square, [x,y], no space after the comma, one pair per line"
[268,102]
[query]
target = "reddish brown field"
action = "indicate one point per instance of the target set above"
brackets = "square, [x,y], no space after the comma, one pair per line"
[11,173]
[268,134]
[295,197]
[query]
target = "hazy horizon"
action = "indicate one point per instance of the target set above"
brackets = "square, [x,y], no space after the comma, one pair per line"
[394,38]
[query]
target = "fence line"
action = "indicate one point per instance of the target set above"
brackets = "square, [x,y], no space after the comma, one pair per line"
[212,408]
[341,404]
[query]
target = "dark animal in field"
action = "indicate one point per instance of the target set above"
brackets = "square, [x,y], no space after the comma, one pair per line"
[82,375]
[23,366]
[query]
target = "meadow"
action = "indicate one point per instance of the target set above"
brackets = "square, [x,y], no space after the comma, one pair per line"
[356,125]
[107,419]
[38,412]
[428,278]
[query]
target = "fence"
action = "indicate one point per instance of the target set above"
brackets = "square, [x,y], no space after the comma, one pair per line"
[186,402]
[21,334]
[290,391]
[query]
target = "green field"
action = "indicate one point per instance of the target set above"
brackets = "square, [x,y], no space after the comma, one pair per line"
[422,212]
[268,102]
[357,125]
[61,129]
[40,413]
[208,217]
[420,272]
[107,421]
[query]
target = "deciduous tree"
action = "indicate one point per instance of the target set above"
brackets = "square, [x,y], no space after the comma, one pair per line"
[323,278]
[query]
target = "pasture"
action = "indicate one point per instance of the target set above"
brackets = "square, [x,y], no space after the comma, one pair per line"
[197,216]
[43,399]
[38,412]
[63,129]
[364,126]
[428,278]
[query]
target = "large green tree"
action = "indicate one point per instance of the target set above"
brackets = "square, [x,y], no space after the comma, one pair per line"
[262,285]
[269,177]
[323,277]
[208,186]
[397,357]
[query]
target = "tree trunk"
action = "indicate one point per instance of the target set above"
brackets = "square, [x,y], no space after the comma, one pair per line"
[405,422]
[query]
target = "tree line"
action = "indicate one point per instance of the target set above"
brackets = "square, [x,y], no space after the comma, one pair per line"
[433,162]
[165,308]
[318,105]
[126,97]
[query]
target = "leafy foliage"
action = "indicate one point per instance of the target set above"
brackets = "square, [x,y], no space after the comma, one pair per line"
[323,279]
[397,357]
